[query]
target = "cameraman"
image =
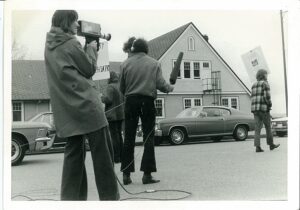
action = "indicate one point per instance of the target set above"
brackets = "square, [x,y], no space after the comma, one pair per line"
[140,78]
[77,110]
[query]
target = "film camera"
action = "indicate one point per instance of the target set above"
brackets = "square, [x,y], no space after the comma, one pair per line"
[91,32]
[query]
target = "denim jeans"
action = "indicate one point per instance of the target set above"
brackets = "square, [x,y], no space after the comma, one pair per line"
[262,118]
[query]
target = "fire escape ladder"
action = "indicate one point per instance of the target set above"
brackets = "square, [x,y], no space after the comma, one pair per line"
[212,86]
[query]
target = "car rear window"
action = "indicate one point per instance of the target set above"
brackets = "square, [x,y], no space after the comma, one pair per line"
[189,113]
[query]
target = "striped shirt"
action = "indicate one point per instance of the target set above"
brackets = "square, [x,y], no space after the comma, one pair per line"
[261,97]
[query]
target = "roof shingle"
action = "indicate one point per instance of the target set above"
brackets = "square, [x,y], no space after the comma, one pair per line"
[29,81]
[159,45]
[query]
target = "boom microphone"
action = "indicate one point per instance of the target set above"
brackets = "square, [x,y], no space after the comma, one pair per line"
[176,69]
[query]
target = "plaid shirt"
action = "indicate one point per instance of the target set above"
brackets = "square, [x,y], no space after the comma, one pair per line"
[261,97]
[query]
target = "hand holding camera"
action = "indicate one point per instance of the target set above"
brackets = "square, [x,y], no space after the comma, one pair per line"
[92,44]
[91,32]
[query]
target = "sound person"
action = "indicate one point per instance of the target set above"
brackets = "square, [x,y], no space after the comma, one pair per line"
[140,78]
[77,110]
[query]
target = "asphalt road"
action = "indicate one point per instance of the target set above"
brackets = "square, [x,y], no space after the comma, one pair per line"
[209,171]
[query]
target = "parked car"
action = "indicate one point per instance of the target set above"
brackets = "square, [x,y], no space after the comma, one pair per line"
[58,143]
[205,121]
[28,137]
[280,126]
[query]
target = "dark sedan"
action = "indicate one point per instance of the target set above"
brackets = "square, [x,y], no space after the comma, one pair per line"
[205,121]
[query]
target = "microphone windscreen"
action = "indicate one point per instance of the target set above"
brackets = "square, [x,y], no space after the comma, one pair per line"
[176,69]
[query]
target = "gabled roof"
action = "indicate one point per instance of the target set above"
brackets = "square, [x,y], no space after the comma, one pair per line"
[160,45]
[29,81]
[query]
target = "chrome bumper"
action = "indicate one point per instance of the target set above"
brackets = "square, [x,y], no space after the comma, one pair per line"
[44,143]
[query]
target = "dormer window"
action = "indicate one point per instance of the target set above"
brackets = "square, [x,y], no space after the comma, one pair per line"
[191,43]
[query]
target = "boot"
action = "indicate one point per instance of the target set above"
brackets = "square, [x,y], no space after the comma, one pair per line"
[273,146]
[126,179]
[148,179]
[259,149]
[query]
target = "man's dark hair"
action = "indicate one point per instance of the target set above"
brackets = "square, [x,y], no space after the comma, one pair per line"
[139,45]
[128,44]
[64,18]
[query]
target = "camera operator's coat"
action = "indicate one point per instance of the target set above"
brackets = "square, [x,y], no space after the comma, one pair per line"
[74,97]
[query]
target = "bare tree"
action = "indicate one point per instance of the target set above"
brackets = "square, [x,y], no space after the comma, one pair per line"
[18,51]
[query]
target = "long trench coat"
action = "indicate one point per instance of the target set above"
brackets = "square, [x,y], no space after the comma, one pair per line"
[75,102]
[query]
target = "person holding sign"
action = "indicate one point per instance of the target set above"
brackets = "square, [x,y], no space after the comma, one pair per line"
[140,78]
[261,105]
[77,109]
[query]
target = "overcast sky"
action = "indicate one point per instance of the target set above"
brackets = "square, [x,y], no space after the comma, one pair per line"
[231,32]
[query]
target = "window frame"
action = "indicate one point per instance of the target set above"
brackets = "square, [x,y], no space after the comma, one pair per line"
[162,106]
[191,43]
[229,99]
[192,102]
[22,111]
[196,62]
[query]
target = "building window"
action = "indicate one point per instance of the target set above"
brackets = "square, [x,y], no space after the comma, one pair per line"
[231,102]
[17,111]
[187,70]
[191,43]
[193,69]
[192,102]
[196,70]
[205,64]
[159,106]
[179,74]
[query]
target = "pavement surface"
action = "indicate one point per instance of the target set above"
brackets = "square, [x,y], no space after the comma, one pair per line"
[227,170]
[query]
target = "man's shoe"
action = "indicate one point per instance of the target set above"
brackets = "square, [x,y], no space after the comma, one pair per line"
[148,179]
[126,179]
[259,149]
[273,146]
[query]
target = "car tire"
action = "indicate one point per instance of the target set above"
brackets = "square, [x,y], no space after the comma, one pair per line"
[281,133]
[240,133]
[177,136]
[18,150]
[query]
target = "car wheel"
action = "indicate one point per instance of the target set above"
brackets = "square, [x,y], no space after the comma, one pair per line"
[240,133]
[177,136]
[217,138]
[17,150]
[281,133]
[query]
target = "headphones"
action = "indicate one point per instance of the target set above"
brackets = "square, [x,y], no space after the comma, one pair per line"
[132,47]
